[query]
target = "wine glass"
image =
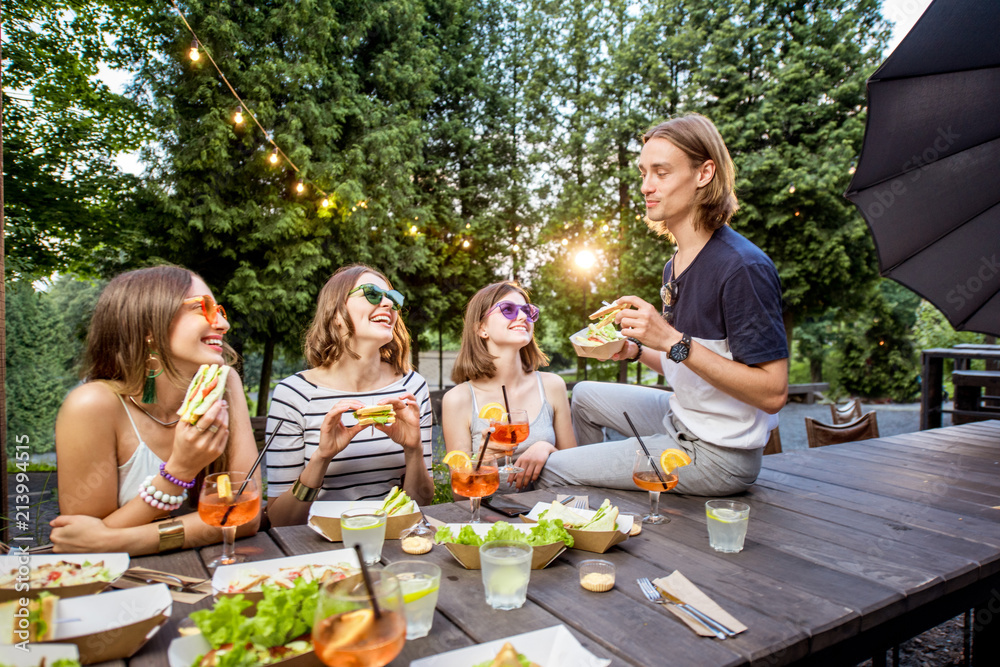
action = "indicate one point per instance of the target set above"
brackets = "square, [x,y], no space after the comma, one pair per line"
[476,483]
[353,629]
[647,476]
[221,504]
[510,430]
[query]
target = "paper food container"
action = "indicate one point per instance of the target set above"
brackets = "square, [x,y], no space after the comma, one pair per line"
[468,555]
[227,574]
[597,541]
[116,563]
[595,351]
[552,647]
[324,518]
[112,626]
[34,654]
[184,651]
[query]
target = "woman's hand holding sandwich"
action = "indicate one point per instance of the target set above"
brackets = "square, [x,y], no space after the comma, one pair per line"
[198,445]
[405,430]
[334,436]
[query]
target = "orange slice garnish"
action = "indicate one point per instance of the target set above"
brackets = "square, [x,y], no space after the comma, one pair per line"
[673,458]
[348,629]
[492,412]
[224,486]
[457,459]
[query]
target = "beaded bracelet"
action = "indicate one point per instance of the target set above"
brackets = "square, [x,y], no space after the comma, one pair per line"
[173,480]
[158,499]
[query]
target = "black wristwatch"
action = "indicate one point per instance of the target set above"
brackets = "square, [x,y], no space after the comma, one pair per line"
[638,354]
[679,351]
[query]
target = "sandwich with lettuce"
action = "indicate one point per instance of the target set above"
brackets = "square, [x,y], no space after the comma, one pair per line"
[207,386]
[542,533]
[603,330]
[604,519]
[398,503]
[376,414]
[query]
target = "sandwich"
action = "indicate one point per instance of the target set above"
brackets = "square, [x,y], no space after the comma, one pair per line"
[207,386]
[376,414]
[398,503]
[40,613]
[605,518]
[603,330]
[508,657]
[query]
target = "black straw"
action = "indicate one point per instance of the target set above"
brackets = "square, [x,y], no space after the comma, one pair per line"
[253,469]
[368,582]
[482,450]
[648,455]
[506,405]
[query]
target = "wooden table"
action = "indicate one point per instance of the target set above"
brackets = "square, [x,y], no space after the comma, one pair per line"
[851,548]
[932,361]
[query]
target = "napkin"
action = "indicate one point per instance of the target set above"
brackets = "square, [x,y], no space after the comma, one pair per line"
[562,497]
[681,586]
[198,588]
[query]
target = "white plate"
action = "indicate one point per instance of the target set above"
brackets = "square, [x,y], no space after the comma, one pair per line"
[225,574]
[551,647]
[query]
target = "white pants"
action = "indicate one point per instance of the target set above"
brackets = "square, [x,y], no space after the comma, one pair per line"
[714,470]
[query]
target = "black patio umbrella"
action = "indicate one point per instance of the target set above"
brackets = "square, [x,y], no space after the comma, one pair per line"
[928,180]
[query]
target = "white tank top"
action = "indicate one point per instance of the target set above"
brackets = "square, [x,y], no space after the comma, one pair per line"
[140,465]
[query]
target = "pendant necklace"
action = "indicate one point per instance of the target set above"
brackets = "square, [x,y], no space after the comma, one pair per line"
[147,413]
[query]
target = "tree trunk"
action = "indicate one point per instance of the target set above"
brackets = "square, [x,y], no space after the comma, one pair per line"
[440,360]
[415,347]
[264,389]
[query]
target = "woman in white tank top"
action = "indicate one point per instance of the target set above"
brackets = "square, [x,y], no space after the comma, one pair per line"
[498,351]
[115,438]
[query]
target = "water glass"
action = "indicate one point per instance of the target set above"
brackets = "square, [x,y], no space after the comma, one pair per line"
[506,570]
[420,582]
[727,524]
[365,527]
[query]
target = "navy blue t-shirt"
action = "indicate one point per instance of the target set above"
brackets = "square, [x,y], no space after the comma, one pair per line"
[731,292]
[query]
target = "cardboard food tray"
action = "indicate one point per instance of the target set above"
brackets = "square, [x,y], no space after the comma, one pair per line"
[595,351]
[225,574]
[112,626]
[324,518]
[468,555]
[552,647]
[184,650]
[116,563]
[597,541]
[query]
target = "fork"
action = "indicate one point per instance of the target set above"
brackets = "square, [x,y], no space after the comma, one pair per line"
[653,595]
[579,502]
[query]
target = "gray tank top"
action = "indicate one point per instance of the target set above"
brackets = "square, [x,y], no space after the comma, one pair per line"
[541,427]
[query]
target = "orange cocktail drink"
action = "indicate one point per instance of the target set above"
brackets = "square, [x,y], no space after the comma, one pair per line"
[475,483]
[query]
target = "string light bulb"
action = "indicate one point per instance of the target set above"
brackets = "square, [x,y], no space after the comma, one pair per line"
[605,227]
[791,189]
[325,202]
[852,169]
[274,157]
[238,117]
[194,54]
[300,187]
[414,229]
[468,225]
[515,247]
[564,242]
[465,243]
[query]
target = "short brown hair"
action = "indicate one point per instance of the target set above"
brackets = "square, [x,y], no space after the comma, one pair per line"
[324,344]
[474,361]
[699,139]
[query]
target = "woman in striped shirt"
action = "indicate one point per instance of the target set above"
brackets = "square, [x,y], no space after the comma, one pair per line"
[358,351]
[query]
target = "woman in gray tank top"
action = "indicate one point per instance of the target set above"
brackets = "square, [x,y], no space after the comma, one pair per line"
[498,351]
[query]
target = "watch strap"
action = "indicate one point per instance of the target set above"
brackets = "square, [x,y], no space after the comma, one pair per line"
[306,494]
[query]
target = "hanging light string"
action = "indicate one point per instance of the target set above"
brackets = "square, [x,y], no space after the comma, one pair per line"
[245,108]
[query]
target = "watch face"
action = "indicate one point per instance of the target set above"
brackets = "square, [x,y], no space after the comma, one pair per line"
[679,352]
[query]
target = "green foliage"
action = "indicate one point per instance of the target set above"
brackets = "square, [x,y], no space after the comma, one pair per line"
[37,377]
[879,358]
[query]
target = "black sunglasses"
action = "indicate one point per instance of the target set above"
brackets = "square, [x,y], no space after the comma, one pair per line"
[375,294]
[668,293]
[509,309]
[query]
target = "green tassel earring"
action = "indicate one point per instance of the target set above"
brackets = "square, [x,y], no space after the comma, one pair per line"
[149,389]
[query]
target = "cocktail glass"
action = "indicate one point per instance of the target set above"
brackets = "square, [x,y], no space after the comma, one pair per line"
[647,476]
[221,504]
[475,483]
[349,631]
[510,431]
[365,527]
[420,582]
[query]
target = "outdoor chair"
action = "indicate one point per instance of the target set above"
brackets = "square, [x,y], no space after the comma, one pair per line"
[773,445]
[845,414]
[819,434]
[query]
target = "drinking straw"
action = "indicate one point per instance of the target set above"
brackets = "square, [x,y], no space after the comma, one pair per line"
[253,469]
[368,582]
[482,450]
[506,405]
[648,456]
